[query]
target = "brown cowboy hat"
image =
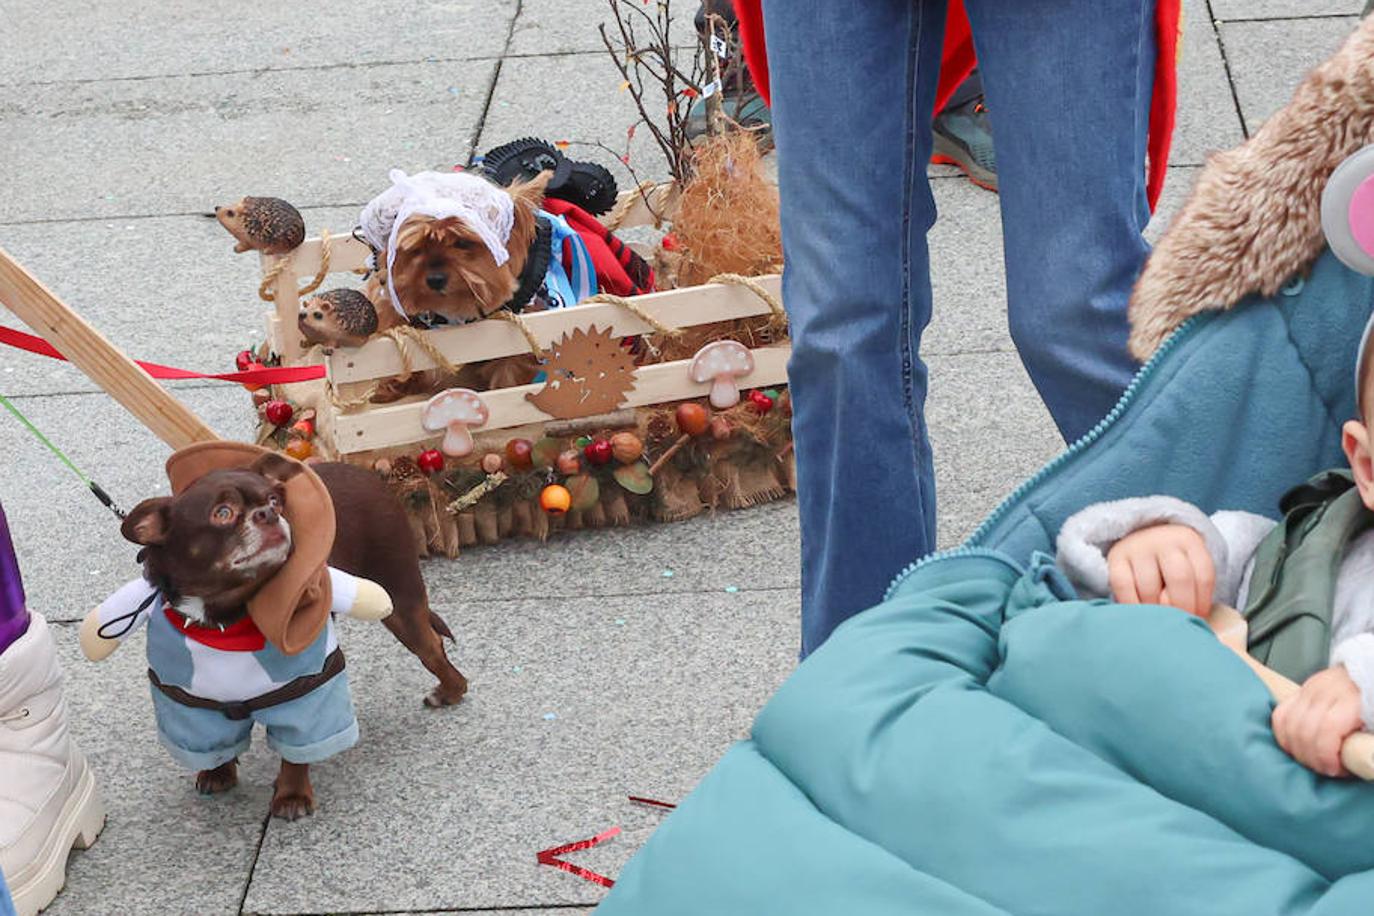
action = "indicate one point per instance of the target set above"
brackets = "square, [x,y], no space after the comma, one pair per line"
[292,608]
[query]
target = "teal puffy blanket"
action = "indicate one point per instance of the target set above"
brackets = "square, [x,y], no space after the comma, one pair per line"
[984,742]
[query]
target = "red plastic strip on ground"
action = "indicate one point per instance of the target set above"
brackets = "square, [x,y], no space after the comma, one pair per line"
[264,376]
[550,857]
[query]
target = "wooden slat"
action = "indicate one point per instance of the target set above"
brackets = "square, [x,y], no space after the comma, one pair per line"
[346,254]
[494,339]
[103,363]
[385,427]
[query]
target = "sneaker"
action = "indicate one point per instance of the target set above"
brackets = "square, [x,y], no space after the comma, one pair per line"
[963,138]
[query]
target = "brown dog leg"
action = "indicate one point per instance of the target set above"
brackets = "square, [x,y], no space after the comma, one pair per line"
[221,779]
[414,630]
[294,797]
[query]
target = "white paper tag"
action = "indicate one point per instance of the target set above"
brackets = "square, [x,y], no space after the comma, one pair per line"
[710,89]
[719,47]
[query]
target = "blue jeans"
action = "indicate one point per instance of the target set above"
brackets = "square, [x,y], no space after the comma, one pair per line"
[1068,85]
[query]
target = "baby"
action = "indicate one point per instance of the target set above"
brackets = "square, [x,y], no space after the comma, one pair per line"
[1161,550]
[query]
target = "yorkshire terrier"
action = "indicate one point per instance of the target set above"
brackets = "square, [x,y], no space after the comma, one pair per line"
[442,268]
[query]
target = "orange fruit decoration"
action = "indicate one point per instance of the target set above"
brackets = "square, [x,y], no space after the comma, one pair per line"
[555,499]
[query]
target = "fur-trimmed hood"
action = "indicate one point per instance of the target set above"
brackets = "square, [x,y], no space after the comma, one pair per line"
[1253,219]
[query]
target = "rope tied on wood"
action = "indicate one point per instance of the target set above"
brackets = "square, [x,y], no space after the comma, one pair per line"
[778,321]
[404,337]
[267,290]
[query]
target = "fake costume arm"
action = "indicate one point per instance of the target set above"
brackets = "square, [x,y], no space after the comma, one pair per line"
[117,616]
[1089,534]
[355,597]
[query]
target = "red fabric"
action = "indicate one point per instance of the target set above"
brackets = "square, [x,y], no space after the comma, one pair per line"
[619,270]
[241,636]
[279,375]
[959,60]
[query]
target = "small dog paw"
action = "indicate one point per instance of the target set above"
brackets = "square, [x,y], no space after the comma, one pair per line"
[446,695]
[292,806]
[221,779]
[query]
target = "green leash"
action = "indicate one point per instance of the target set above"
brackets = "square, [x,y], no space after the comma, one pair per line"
[94,487]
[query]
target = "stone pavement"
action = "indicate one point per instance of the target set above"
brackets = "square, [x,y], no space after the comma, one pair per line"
[602,664]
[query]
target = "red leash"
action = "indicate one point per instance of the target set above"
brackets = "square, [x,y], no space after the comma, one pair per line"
[265,376]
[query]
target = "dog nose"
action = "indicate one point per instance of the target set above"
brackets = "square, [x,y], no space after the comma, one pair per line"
[436,280]
[265,515]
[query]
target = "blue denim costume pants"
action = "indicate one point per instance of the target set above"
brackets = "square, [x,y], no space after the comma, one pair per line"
[1068,85]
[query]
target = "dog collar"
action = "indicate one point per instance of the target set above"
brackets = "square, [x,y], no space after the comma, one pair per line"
[531,280]
[536,266]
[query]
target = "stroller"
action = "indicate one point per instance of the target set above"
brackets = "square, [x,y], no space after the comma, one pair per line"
[985,742]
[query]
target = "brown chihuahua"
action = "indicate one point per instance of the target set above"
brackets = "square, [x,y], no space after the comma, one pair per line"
[214,551]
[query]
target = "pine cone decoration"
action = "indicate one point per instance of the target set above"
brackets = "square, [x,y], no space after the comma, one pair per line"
[659,431]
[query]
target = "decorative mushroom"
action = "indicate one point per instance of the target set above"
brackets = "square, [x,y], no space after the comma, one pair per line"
[720,363]
[455,410]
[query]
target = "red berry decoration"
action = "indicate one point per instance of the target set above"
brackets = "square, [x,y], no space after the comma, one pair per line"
[762,402]
[245,360]
[278,413]
[599,451]
[519,452]
[431,461]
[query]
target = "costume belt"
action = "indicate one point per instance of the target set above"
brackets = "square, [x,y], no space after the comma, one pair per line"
[242,709]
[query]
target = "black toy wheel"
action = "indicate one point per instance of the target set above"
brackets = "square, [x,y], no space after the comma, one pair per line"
[523,159]
[591,186]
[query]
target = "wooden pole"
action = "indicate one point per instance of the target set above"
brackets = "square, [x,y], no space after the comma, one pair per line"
[103,363]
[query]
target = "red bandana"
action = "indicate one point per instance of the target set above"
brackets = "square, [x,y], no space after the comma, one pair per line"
[241,636]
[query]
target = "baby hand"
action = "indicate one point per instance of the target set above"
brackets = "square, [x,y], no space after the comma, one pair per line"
[1163,564]
[1312,724]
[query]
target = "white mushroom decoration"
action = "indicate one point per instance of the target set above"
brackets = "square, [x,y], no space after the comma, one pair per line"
[720,363]
[454,411]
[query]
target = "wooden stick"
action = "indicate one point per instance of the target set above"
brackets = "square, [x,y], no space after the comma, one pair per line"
[103,363]
[619,418]
[667,455]
[1357,751]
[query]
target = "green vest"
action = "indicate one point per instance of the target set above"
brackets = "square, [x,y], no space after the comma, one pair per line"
[1293,586]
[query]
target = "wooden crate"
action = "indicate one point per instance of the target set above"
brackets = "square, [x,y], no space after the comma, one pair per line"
[363,434]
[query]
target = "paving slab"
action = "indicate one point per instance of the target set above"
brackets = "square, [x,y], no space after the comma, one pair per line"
[560,27]
[1269,59]
[181,144]
[147,38]
[168,290]
[1207,119]
[574,98]
[1230,10]
[989,431]
[575,705]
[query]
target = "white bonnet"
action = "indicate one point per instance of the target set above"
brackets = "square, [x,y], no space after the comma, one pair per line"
[486,209]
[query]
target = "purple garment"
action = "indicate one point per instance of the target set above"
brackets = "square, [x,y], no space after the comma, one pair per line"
[14,617]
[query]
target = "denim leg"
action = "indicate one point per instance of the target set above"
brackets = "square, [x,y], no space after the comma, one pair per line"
[1068,85]
[853,90]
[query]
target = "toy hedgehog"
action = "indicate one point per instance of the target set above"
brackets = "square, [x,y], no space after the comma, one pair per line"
[338,318]
[267,224]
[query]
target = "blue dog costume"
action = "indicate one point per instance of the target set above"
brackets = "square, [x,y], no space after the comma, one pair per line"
[280,665]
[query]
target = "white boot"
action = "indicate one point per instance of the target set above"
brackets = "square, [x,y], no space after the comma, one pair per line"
[48,799]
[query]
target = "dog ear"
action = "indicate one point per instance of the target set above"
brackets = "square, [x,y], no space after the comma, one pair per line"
[534,191]
[275,467]
[147,524]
